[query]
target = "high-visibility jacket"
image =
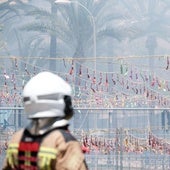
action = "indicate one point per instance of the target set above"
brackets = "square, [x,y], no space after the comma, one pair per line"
[55,150]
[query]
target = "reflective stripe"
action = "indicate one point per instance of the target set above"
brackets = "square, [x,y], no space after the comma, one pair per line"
[45,157]
[12,153]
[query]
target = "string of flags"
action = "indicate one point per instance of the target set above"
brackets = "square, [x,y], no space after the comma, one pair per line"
[129,87]
[122,140]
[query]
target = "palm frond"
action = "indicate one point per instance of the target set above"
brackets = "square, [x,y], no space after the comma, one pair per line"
[111,32]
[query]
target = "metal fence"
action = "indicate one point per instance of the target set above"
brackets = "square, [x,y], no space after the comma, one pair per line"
[121,139]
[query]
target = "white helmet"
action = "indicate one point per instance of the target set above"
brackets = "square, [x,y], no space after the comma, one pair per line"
[47,95]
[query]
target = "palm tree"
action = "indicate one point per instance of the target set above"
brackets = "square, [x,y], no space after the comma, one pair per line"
[80,27]
[147,18]
[36,33]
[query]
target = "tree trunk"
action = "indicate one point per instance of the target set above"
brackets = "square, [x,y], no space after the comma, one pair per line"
[53,44]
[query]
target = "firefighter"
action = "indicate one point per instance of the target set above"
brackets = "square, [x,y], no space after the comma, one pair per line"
[46,143]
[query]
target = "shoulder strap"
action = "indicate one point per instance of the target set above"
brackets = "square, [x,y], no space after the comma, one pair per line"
[67,135]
